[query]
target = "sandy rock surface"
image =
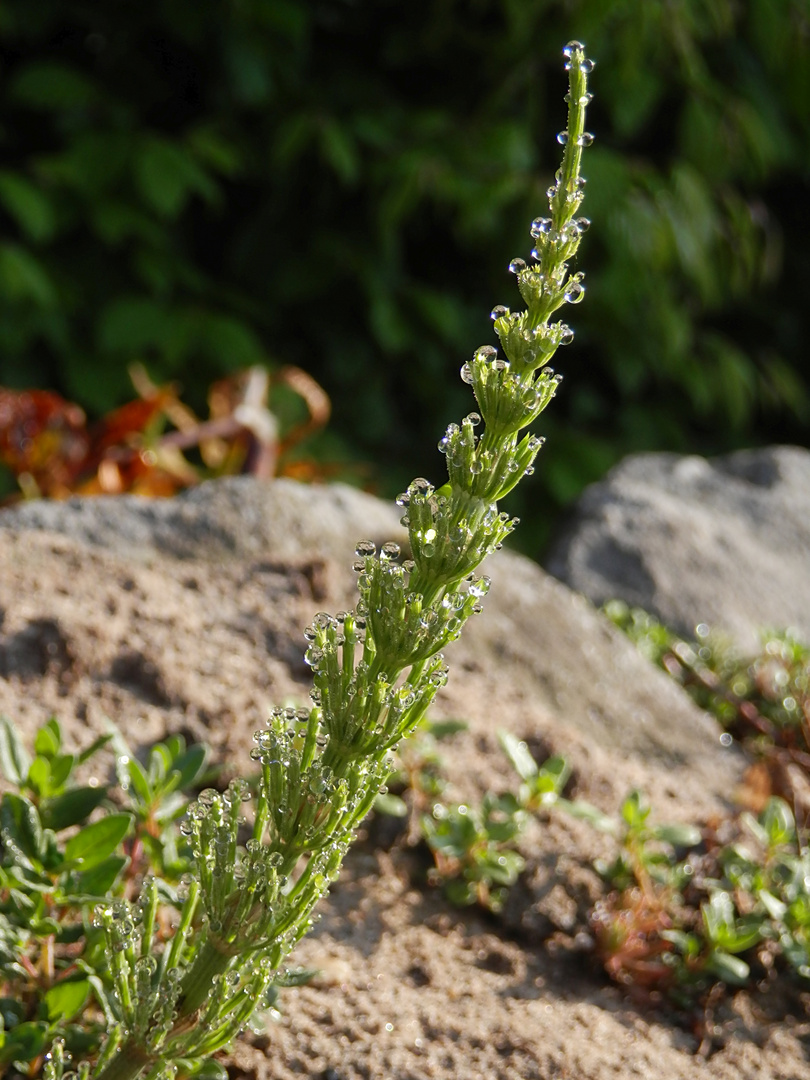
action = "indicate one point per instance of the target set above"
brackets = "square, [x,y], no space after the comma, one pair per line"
[187,615]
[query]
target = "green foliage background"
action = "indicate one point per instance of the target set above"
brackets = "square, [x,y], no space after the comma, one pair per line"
[340,184]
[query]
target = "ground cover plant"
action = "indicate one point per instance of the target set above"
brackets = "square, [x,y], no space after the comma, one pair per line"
[763,701]
[188,963]
[686,910]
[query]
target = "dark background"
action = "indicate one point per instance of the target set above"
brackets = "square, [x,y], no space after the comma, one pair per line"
[340,184]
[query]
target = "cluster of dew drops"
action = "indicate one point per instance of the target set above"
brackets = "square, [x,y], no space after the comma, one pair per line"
[544,227]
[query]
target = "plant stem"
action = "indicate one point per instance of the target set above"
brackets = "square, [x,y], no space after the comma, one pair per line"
[127,1064]
[209,962]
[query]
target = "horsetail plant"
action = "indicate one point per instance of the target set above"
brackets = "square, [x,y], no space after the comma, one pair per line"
[262,862]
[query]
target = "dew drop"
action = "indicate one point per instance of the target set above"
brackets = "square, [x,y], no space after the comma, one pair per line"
[100,915]
[566,334]
[575,292]
[583,224]
[571,48]
[587,66]
[585,139]
[365,547]
[517,265]
[422,487]
[487,353]
[473,418]
[466,376]
[540,226]
[499,312]
[562,137]
[240,789]
[390,551]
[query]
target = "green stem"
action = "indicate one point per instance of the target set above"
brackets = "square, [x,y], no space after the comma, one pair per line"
[128,1063]
[209,962]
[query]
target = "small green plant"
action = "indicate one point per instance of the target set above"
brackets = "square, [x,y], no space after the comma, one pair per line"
[761,701]
[474,847]
[59,860]
[683,922]
[683,911]
[264,856]
[476,861]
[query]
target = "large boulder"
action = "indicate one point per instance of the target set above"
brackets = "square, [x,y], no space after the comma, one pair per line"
[186,616]
[724,541]
[191,611]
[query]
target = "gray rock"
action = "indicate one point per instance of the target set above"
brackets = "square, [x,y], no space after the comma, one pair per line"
[164,600]
[233,518]
[724,542]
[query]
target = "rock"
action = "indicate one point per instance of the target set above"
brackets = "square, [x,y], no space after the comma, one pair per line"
[108,610]
[723,541]
[233,518]
[186,616]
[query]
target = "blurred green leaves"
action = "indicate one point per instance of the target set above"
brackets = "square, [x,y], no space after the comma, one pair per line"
[204,187]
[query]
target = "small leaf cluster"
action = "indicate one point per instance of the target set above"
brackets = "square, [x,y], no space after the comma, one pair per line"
[681,923]
[683,911]
[644,847]
[66,846]
[157,794]
[475,846]
[476,861]
[762,700]
[418,777]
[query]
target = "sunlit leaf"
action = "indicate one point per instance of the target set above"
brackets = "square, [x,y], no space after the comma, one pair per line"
[95,842]
[14,759]
[64,1000]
